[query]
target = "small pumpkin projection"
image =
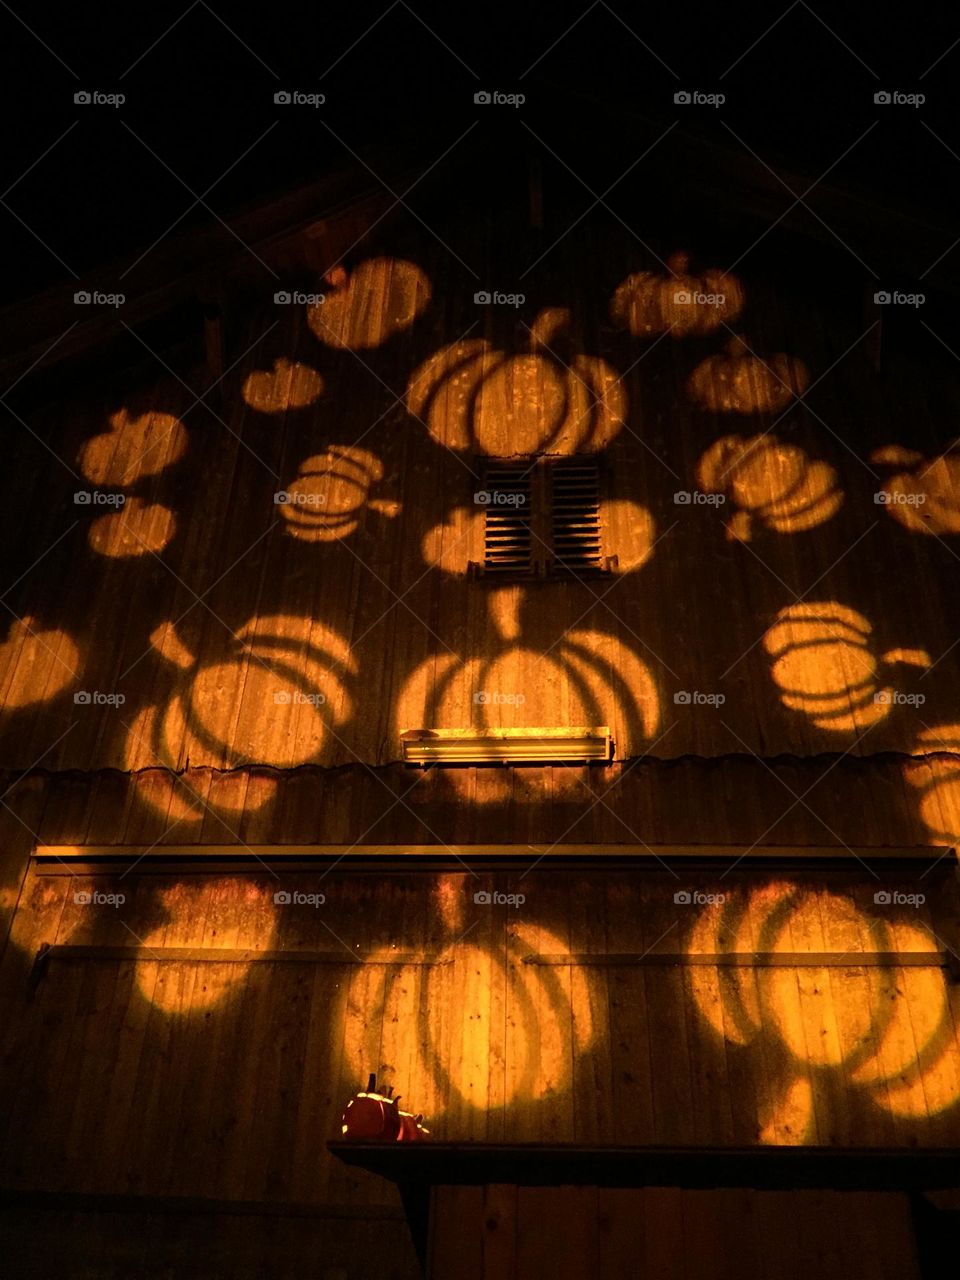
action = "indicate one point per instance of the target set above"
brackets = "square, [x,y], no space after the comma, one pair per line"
[880,1031]
[331,493]
[825,667]
[772,484]
[36,664]
[365,307]
[473,397]
[436,1013]
[678,302]
[288,385]
[236,904]
[458,542]
[273,695]
[376,1117]
[924,493]
[133,449]
[934,771]
[737,381]
[136,528]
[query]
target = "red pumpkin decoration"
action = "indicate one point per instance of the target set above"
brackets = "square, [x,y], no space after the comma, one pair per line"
[680,303]
[773,484]
[376,1117]
[381,297]
[474,398]
[737,381]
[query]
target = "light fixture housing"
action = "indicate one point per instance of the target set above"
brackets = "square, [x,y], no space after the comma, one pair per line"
[573,745]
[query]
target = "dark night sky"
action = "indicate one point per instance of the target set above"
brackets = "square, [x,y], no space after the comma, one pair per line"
[199,82]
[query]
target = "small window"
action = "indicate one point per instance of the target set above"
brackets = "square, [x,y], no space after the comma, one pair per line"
[542,518]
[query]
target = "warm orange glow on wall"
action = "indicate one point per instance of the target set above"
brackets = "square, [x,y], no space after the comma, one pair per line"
[288,385]
[825,668]
[136,529]
[186,988]
[474,398]
[476,1028]
[364,308]
[271,697]
[772,484]
[886,1031]
[133,448]
[937,779]
[735,381]
[684,304]
[35,665]
[925,496]
[327,500]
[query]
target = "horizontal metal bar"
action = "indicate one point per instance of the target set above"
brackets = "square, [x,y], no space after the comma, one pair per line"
[224,955]
[752,960]
[94,859]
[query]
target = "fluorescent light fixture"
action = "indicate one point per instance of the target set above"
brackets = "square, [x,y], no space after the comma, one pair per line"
[507,746]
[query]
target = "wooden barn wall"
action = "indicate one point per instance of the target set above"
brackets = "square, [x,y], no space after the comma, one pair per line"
[128,1073]
[224,599]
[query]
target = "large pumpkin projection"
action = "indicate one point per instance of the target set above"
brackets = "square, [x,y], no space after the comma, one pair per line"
[772,484]
[680,303]
[36,664]
[330,495]
[824,666]
[132,450]
[935,774]
[879,1030]
[273,695]
[184,987]
[737,381]
[458,542]
[365,307]
[474,1025]
[288,385]
[923,494]
[475,398]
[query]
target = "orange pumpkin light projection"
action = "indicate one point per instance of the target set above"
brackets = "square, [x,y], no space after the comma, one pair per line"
[132,450]
[272,695]
[736,381]
[288,386]
[331,493]
[584,678]
[925,495]
[883,1031]
[773,484]
[35,665]
[685,305]
[935,773]
[825,668]
[544,1025]
[184,989]
[364,308]
[138,526]
[475,398]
